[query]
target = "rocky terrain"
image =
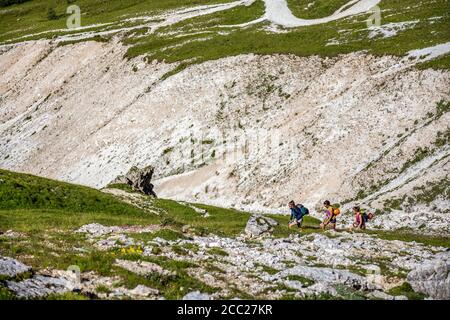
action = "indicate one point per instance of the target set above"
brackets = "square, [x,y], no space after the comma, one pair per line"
[232,108]
[213,143]
[253,264]
[148,248]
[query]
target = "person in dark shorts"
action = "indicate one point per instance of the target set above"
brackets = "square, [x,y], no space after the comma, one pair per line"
[297,214]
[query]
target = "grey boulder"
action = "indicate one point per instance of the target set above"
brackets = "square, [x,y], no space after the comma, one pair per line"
[433,277]
[10,267]
[258,225]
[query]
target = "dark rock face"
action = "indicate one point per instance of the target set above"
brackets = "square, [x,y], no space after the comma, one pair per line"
[139,180]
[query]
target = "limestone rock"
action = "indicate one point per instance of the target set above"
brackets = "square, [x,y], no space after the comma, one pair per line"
[97,230]
[328,276]
[142,267]
[144,291]
[11,267]
[377,294]
[433,277]
[258,225]
[39,286]
[197,295]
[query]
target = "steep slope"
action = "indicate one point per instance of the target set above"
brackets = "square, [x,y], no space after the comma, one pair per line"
[250,131]
[242,104]
[63,241]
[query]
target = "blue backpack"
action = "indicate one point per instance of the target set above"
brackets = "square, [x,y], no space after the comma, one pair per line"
[304,210]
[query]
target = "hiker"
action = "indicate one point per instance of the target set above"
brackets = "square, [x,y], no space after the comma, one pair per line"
[331,215]
[297,214]
[360,219]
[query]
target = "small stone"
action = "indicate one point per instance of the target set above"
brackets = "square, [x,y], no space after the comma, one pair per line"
[197,295]
[144,291]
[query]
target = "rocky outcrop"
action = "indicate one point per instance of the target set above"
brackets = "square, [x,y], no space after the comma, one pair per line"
[258,225]
[433,277]
[139,180]
[11,267]
[39,286]
[97,230]
[328,275]
[142,267]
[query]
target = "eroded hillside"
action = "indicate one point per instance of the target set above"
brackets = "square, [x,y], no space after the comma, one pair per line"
[249,130]
[236,123]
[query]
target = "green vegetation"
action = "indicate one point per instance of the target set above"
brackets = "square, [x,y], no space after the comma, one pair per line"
[425,194]
[5,294]
[120,186]
[306,9]
[172,286]
[167,234]
[46,212]
[304,281]
[27,192]
[66,296]
[16,21]
[302,41]
[223,222]
[213,36]
[217,252]
[408,236]
[406,290]
[310,225]
[267,269]
[5,3]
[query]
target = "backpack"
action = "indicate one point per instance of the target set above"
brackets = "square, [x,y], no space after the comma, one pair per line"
[304,210]
[365,217]
[336,211]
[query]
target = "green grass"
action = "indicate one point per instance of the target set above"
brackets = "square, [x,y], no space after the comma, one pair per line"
[304,281]
[406,290]
[48,212]
[5,294]
[189,47]
[23,191]
[31,17]
[408,236]
[319,9]
[267,269]
[66,296]
[302,41]
[120,186]
[222,222]
[217,252]
[310,225]
[172,287]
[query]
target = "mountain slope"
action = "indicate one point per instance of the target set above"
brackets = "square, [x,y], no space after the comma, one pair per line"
[236,103]
[142,248]
[192,125]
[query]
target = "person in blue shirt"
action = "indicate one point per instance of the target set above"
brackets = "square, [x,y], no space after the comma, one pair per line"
[297,214]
